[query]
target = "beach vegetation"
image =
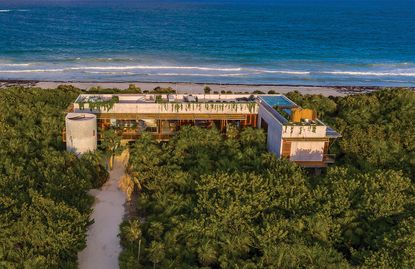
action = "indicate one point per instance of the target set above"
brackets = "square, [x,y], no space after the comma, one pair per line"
[207,90]
[44,205]
[317,102]
[209,200]
[132,88]
[163,90]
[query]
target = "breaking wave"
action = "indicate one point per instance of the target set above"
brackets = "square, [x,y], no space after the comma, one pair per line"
[32,70]
[9,10]
[15,65]
[286,72]
[110,73]
[378,74]
[152,67]
[199,75]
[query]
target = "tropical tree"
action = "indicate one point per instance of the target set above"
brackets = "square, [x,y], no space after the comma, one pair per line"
[214,201]
[207,90]
[44,205]
[132,233]
[156,252]
[111,144]
[97,160]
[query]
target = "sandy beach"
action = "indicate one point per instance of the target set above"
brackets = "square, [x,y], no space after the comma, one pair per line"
[187,87]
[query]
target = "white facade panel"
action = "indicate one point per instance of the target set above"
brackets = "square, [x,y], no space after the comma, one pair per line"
[274,134]
[307,151]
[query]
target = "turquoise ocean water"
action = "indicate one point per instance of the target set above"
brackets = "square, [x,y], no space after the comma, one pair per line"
[308,42]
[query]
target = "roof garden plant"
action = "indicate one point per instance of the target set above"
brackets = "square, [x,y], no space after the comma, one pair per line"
[282,112]
[100,104]
[217,107]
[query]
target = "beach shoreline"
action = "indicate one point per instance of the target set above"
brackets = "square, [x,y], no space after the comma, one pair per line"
[196,87]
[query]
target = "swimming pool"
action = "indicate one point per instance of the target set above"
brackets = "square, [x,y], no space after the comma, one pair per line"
[278,100]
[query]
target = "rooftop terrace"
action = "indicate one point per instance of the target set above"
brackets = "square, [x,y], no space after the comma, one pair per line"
[282,108]
[165,98]
[167,103]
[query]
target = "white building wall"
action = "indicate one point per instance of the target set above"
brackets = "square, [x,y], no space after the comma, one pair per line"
[81,132]
[274,136]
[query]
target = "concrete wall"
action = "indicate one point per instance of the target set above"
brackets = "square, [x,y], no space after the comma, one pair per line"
[274,136]
[81,132]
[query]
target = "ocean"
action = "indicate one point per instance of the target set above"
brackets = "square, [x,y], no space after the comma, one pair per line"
[298,42]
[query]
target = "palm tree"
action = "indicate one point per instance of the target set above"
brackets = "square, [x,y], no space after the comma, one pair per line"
[156,252]
[111,144]
[133,234]
[97,162]
[207,254]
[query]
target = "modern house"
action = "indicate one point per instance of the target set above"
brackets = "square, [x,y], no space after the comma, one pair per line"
[292,132]
[295,133]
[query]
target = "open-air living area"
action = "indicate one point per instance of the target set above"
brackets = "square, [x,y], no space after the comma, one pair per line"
[163,114]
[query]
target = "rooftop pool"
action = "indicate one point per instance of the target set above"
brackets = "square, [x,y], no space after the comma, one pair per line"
[278,100]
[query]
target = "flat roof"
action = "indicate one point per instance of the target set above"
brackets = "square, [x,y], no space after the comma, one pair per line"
[168,98]
[273,102]
[80,116]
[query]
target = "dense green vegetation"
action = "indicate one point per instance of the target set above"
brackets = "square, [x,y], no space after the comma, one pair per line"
[132,89]
[44,206]
[206,201]
[378,128]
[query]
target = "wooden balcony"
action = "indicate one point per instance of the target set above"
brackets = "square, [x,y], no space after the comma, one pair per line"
[327,159]
[311,164]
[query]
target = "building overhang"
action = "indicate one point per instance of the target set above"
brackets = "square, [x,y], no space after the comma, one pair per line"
[171,116]
[331,133]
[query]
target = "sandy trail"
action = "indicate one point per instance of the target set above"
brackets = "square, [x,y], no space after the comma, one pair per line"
[103,244]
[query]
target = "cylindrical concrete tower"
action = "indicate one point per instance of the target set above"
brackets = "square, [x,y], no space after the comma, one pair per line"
[81,132]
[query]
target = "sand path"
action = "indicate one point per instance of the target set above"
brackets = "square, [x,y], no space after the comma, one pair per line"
[103,244]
